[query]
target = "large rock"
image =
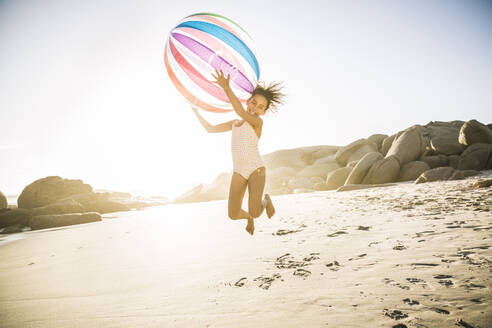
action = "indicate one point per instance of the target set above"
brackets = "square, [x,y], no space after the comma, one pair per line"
[435,160]
[362,167]
[344,153]
[327,159]
[409,146]
[63,206]
[412,170]
[50,189]
[473,132]
[475,157]
[369,147]
[15,216]
[318,170]
[337,178]
[444,173]
[3,201]
[323,151]
[444,139]
[383,171]
[377,139]
[386,145]
[51,221]
[106,206]
[453,161]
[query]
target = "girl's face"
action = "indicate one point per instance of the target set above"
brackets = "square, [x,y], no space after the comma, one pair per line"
[257,105]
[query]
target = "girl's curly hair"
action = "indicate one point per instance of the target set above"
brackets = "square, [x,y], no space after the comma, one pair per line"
[272,93]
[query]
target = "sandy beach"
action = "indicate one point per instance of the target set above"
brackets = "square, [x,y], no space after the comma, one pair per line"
[408,255]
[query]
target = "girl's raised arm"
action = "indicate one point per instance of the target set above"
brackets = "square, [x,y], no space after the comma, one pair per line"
[223,82]
[223,127]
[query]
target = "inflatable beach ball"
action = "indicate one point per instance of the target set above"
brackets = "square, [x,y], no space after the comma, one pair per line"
[199,45]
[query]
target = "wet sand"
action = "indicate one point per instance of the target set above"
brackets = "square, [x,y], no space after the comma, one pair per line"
[401,256]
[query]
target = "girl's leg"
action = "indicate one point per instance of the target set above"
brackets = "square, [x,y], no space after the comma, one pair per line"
[236,195]
[256,186]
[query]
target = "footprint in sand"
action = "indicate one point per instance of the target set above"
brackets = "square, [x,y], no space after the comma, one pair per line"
[395,314]
[283,232]
[338,233]
[391,282]
[266,281]
[441,311]
[302,273]
[410,302]
[240,282]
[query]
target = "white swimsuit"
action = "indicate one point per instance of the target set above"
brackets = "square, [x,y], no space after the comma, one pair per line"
[245,155]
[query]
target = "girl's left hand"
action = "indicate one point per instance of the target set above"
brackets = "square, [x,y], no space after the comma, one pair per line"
[221,80]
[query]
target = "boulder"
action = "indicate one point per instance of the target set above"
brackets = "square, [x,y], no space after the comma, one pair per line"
[409,146]
[344,153]
[444,173]
[369,147]
[63,206]
[383,171]
[3,201]
[475,157]
[435,160]
[15,216]
[352,164]
[59,220]
[444,140]
[436,174]
[362,167]
[50,189]
[482,183]
[318,170]
[386,145]
[473,132]
[377,139]
[323,151]
[327,159]
[412,170]
[337,178]
[453,161]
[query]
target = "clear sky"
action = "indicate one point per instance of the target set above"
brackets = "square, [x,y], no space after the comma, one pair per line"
[84,93]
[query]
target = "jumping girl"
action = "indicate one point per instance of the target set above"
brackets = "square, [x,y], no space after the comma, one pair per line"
[249,170]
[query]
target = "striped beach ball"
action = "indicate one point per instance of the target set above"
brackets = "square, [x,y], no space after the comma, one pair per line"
[202,43]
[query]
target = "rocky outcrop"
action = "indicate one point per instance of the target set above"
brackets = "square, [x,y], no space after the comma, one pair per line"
[344,153]
[444,173]
[383,171]
[3,201]
[337,178]
[15,216]
[473,132]
[59,220]
[318,170]
[49,190]
[443,137]
[435,160]
[409,146]
[360,170]
[412,170]
[476,157]
[377,139]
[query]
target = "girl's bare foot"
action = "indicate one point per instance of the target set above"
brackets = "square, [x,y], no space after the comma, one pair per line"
[270,209]
[250,228]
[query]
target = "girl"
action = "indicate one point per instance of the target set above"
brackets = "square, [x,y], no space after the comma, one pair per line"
[249,170]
